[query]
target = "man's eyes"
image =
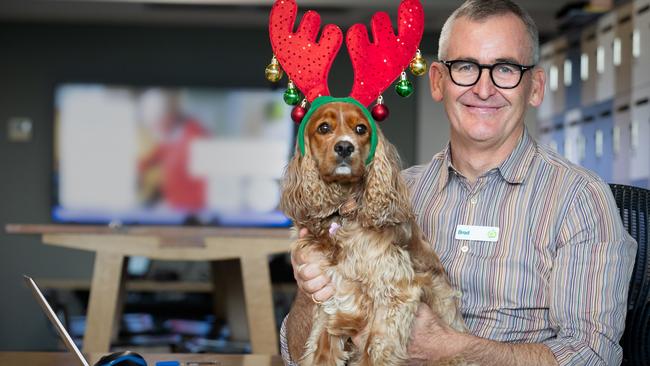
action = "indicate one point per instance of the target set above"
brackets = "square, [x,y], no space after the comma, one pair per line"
[465,67]
[506,69]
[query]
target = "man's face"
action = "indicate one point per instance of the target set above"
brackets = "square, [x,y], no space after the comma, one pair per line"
[482,114]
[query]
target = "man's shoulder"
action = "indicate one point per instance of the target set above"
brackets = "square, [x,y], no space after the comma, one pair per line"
[557,164]
[566,181]
[415,172]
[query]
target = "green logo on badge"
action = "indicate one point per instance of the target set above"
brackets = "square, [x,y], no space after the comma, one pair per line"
[492,234]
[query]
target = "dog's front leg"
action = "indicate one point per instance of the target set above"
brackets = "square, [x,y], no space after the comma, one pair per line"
[322,347]
[330,351]
[389,334]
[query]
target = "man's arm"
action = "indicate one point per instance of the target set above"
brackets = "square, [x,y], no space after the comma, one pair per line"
[298,324]
[589,281]
[432,340]
[491,353]
[313,285]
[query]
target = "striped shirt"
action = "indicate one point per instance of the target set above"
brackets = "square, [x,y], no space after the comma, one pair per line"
[558,273]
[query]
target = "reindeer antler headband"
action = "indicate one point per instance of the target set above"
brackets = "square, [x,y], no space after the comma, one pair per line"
[376,64]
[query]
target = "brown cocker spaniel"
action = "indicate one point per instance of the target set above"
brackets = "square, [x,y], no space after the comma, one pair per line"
[359,215]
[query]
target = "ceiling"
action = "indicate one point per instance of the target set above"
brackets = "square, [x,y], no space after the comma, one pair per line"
[236,13]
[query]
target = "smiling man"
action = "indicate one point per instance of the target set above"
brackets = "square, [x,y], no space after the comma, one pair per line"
[480,83]
[533,243]
[552,288]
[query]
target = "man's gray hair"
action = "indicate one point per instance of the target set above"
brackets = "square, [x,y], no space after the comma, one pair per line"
[479,10]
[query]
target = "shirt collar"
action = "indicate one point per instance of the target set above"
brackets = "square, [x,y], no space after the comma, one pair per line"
[448,168]
[513,170]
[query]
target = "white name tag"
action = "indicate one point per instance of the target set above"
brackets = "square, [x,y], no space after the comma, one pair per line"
[477,233]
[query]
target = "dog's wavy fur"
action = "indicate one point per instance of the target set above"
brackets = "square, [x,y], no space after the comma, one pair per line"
[380,263]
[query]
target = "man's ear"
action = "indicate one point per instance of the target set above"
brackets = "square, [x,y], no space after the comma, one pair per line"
[436,76]
[537,88]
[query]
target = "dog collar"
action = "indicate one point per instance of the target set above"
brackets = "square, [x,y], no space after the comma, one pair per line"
[321,101]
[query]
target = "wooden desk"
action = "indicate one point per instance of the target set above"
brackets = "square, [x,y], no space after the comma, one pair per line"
[66,359]
[113,245]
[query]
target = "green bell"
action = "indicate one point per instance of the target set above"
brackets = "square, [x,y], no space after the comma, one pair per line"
[291,96]
[404,88]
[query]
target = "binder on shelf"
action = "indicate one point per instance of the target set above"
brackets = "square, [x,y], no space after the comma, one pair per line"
[588,47]
[605,76]
[621,141]
[640,62]
[639,137]
[622,48]
[545,110]
[558,74]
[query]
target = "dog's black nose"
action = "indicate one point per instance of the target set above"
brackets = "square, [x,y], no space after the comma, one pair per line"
[344,148]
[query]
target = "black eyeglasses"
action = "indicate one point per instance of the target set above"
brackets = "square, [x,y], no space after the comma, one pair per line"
[504,75]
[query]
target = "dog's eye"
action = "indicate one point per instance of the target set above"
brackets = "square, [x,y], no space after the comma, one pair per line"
[324,128]
[361,129]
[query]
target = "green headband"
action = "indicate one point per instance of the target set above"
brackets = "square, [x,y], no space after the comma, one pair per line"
[319,102]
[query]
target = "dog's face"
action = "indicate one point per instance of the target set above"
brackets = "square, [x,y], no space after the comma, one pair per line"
[339,141]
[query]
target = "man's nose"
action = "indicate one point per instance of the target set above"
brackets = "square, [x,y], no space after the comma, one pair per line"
[484,87]
[344,148]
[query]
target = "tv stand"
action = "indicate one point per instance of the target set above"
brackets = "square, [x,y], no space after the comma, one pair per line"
[113,246]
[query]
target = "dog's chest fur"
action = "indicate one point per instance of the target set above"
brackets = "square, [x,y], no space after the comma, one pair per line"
[369,266]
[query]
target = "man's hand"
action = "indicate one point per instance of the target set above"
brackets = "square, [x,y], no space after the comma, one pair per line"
[431,339]
[314,286]
[308,274]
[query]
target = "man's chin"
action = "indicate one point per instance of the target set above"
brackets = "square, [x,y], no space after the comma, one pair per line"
[481,131]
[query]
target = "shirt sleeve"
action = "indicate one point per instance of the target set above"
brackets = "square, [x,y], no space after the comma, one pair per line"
[589,280]
[284,345]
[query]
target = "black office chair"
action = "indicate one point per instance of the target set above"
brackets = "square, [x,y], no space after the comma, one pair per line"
[634,206]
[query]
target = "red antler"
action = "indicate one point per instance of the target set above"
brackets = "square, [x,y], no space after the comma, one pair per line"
[376,65]
[306,61]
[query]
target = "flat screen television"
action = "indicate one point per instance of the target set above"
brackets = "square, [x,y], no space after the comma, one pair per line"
[169,155]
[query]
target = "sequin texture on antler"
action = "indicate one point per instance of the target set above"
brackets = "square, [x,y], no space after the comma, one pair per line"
[305,60]
[376,65]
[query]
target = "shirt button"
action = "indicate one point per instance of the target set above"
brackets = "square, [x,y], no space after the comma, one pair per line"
[464,249]
[473,200]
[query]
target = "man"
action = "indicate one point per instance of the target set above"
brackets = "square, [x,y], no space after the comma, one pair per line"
[545,283]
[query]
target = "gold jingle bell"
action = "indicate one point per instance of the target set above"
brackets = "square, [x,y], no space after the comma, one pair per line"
[418,65]
[273,72]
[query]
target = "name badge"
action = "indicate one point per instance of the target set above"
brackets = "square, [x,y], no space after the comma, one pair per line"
[477,233]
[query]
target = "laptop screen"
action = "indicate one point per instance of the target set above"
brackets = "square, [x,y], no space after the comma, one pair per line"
[63,333]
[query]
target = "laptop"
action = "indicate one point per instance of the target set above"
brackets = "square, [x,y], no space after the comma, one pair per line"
[69,343]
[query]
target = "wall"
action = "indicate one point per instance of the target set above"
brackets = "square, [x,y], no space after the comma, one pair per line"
[33,58]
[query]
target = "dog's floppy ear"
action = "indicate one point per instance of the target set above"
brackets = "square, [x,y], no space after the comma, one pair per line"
[385,197]
[304,194]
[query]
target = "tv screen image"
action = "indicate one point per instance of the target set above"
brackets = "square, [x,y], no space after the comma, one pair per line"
[163,155]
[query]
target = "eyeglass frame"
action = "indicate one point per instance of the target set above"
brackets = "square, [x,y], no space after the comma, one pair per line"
[523,69]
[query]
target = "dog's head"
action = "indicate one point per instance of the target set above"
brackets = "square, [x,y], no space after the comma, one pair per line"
[340,162]
[338,136]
